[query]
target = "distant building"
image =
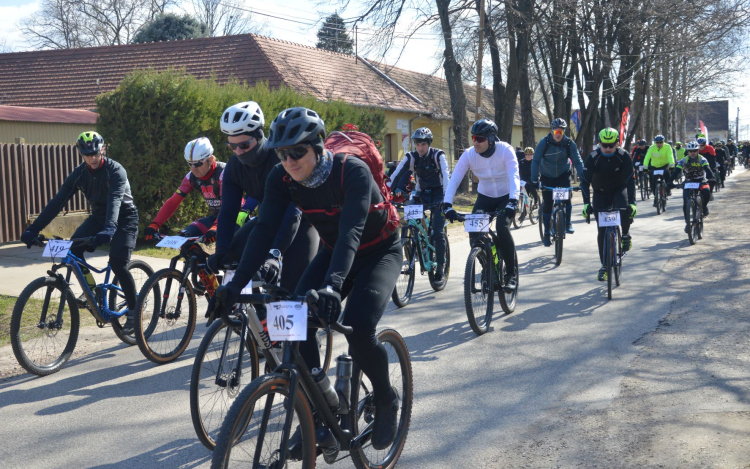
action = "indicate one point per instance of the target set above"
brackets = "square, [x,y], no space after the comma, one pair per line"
[714,114]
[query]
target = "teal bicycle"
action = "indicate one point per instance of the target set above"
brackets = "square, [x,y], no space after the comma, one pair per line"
[417,244]
[45,321]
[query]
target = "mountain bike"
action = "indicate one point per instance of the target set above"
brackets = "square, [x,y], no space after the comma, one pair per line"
[416,243]
[717,177]
[613,253]
[643,183]
[485,273]
[695,211]
[528,207]
[45,321]
[216,377]
[660,191]
[558,220]
[294,399]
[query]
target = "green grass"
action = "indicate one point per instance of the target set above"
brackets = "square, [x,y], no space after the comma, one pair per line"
[6,310]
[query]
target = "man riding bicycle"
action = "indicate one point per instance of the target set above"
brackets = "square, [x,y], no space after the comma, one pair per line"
[708,152]
[113,219]
[495,164]
[431,170]
[609,169]
[658,157]
[722,159]
[696,168]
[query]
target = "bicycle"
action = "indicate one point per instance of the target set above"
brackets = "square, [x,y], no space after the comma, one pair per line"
[558,221]
[484,273]
[643,183]
[416,238]
[717,176]
[55,328]
[660,192]
[613,253]
[163,335]
[695,211]
[216,376]
[528,207]
[258,426]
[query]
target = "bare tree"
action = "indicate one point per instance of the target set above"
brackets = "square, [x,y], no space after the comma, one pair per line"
[225,17]
[56,25]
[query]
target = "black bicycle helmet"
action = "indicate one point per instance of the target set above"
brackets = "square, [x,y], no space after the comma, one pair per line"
[659,138]
[559,123]
[642,142]
[294,126]
[422,133]
[484,128]
[89,143]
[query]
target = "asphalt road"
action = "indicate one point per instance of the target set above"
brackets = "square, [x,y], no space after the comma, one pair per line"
[565,347]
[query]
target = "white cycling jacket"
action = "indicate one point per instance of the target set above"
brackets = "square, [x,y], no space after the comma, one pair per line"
[498,174]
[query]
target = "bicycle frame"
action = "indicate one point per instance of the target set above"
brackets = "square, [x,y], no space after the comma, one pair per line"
[191,264]
[487,240]
[423,240]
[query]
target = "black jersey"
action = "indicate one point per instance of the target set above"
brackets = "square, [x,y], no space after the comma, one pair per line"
[608,174]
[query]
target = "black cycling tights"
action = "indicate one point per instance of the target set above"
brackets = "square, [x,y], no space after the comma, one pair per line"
[368,290]
[127,283]
[506,246]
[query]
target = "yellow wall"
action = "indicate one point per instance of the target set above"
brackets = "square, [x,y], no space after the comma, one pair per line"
[41,132]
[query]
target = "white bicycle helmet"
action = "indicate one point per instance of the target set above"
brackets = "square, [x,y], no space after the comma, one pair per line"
[692,146]
[198,149]
[242,118]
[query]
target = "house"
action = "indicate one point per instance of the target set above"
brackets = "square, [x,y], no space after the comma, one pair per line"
[35,125]
[409,99]
[714,114]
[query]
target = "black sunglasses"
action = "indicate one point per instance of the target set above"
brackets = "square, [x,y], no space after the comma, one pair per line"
[607,145]
[296,152]
[197,164]
[241,145]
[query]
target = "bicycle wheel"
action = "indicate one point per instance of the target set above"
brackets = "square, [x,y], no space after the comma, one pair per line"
[657,201]
[404,288]
[693,217]
[643,187]
[362,411]
[533,212]
[541,225]
[617,259]
[508,300]
[40,343]
[479,289]
[699,213]
[663,197]
[213,381]
[559,235]
[610,253]
[164,333]
[140,271]
[251,434]
[439,286]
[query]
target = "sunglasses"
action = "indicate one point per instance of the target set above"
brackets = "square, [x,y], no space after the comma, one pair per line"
[692,151]
[479,139]
[197,164]
[241,145]
[607,145]
[296,152]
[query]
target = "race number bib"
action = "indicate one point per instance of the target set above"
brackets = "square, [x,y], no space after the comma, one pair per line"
[477,223]
[658,172]
[57,248]
[173,242]
[287,321]
[692,185]
[640,167]
[229,275]
[560,194]
[609,219]
[413,212]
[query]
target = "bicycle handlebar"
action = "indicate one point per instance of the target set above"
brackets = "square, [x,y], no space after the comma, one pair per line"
[573,189]
[462,216]
[41,239]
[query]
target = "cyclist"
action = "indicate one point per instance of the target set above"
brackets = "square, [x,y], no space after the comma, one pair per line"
[113,219]
[659,156]
[609,169]
[360,257]
[708,152]
[552,157]
[696,169]
[495,164]
[246,173]
[205,178]
[732,151]
[722,158]
[639,152]
[524,171]
[431,170]
[679,151]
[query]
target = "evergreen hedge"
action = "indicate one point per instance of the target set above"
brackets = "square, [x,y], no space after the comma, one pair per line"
[147,121]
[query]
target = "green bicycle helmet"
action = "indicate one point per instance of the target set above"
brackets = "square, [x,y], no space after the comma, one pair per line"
[608,135]
[89,143]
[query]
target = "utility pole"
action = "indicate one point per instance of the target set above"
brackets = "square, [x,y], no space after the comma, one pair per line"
[478,112]
[737,125]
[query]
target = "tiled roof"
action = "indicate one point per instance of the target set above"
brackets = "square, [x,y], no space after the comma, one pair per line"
[40,114]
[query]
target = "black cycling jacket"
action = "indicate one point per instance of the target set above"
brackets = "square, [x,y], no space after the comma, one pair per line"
[106,189]
[608,174]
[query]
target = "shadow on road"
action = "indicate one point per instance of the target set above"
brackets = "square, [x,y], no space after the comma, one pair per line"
[166,455]
[575,307]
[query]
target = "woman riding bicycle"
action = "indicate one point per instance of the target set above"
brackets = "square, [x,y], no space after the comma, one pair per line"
[495,164]
[360,257]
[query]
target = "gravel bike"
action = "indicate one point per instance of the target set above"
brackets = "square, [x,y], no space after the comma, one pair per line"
[326,418]
[417,244]
[660,191]
[643,182]
[695,211]
[485,273]
[45,321]
[558,220]
[613,252]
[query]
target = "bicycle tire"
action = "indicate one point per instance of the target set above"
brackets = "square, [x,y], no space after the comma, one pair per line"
[239,417]
[404,286]
[22,329]
[610,262]
[699,212]
[663,198]
[440,286]
[516,222]
[657,193]
[203,378]
[617,259]
[541,227]
[559,235]
[479,320]
[533,211]
[693,228]
[114,295]
[367,457]
[643,188]
[163,339]
[508,300]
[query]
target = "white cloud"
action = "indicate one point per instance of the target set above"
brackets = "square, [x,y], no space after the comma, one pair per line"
[11,16]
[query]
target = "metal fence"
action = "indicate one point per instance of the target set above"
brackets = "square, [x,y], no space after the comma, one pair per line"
[30,175]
